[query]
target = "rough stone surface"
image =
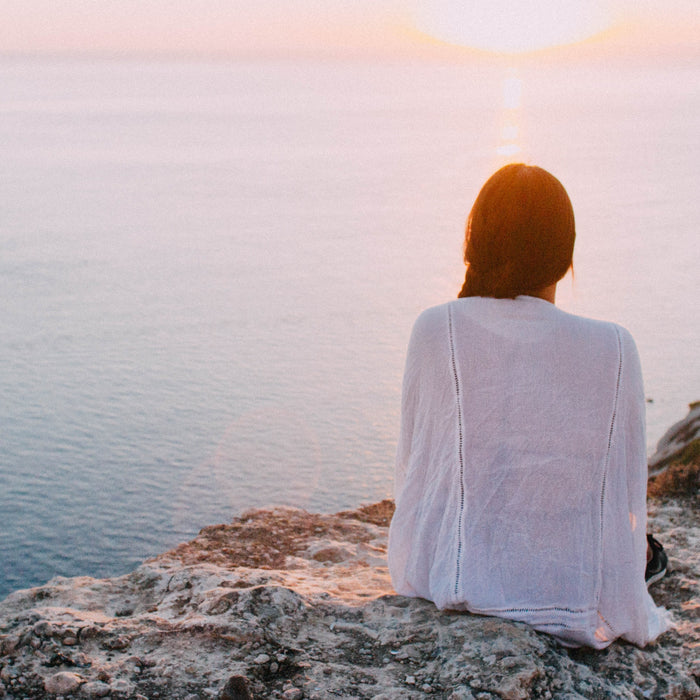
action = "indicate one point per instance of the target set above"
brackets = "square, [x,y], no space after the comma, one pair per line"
[95,689]
[62,683]
[266,607]
[675,440]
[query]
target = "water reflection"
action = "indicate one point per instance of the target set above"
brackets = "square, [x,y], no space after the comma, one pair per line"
[269,455]
[510,134]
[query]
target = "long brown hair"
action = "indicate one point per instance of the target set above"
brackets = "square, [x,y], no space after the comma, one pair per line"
[520,234]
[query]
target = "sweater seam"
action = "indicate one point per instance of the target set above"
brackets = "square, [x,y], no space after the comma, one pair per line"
[460,455]
[544,608]
[613,419]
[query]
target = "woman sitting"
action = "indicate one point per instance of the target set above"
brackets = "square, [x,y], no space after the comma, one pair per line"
[521,469]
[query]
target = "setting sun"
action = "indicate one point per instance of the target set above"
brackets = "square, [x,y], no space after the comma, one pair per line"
[512,26]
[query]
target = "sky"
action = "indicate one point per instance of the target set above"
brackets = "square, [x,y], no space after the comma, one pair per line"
[286,27]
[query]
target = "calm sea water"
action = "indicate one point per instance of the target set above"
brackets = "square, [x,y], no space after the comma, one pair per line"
[209,272]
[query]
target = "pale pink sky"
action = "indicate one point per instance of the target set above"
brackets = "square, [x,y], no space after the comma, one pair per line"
[292,26]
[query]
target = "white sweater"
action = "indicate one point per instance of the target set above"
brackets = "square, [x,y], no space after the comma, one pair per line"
[521,471]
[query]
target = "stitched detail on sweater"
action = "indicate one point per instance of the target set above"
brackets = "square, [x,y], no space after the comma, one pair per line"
[616,634]
[545,608]
[461,459]
[610,438]
[617,393]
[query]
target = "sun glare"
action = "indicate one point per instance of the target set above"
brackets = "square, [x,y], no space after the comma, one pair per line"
[509,145]
[512,26]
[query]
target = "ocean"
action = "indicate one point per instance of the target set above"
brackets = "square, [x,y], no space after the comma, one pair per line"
[210,270]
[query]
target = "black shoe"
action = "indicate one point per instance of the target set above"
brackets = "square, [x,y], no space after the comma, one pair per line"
[656,566]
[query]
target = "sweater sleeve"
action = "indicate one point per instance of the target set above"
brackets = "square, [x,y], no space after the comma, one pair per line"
[626,609]
[633,427]
[420,534]
[408,400]
[424,352]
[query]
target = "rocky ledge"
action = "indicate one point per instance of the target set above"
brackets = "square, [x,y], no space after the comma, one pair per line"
[282,603]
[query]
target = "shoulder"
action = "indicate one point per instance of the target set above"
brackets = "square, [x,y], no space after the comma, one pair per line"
[602,339]
[597,328]
[439,317]
[432,321]
[430,331]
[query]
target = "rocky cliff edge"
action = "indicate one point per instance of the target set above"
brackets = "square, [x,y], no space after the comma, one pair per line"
[282,603]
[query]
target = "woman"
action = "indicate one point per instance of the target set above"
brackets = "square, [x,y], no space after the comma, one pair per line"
[521,467]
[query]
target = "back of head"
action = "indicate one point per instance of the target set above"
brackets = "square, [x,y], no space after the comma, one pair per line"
[520,234]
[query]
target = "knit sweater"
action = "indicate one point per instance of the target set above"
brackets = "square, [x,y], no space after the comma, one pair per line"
[521,471]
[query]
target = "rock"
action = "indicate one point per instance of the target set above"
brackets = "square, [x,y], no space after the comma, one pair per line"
[118,643]
[293,694]
[236,688]
[328,551]
[43,629]
[8,645]
[62,683]
[675,467]
[460,694]
[120,687]
[675,440]
[95,689]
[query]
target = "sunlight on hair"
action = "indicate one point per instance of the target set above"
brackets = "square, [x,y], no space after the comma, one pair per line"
[512,26]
